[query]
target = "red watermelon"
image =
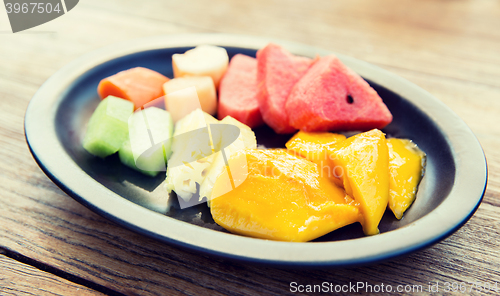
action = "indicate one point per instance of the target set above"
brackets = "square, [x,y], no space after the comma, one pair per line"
[332,97]
[238,91]
[277,72]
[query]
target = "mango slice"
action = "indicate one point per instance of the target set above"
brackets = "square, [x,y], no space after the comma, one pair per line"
[312,146]
[282,197]
[363,162]
[405,171]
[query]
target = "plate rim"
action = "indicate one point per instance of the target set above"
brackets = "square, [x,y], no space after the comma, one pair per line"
[39,125]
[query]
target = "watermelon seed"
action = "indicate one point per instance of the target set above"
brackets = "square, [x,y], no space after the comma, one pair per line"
[350,100]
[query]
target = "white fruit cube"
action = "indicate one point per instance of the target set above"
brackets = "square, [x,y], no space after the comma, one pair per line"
[204,60]
[182,102]
[205,89]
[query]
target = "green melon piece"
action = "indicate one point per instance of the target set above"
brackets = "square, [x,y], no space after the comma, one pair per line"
[150,141]
[108,126]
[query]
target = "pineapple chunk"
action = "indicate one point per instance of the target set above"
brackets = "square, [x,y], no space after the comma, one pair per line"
[246,139]
[192,154]
[197,159]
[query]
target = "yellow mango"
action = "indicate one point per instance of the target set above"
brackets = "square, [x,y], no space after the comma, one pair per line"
[405,171]
[362,164]
[312,146]
[280,196]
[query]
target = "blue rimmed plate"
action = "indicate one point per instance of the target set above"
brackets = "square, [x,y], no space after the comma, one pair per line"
[449,194]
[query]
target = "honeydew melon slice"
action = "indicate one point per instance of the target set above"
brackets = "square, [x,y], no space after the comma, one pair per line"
[107,129]
[150,140]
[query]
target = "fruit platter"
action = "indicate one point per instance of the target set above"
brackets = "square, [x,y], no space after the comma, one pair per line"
[258,150]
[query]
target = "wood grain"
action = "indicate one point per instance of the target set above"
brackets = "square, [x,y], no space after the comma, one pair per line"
[17,279]
[449,48]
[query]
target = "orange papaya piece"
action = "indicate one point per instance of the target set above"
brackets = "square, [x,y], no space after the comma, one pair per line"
[138,85]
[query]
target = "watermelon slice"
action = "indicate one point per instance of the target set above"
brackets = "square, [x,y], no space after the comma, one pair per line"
[332,97]
[277,73]
[238,92]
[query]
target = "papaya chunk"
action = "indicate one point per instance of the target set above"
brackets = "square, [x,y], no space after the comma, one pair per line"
[138,85]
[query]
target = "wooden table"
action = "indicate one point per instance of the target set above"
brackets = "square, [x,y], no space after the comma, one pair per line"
[50,244]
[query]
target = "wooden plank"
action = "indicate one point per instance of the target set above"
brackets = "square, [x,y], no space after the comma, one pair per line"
[447,47]
[422,38]
[17,278]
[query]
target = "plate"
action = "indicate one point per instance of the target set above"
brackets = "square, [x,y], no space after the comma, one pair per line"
[449,194]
